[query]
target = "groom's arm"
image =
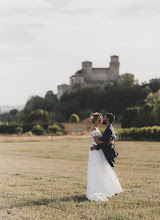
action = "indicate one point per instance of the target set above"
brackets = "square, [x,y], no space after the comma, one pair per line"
[107,137]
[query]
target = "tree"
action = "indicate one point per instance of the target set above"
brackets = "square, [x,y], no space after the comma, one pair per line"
[148,108]
[54,129]
[74,118]
[38,130]
[153,98]
[39,116]
[35,103]
[50,101]
[85,113]
[13,112]
[65,109]
[127,80]
[129,116]
[155,84]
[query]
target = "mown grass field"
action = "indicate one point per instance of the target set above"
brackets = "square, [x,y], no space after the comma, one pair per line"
[47,180]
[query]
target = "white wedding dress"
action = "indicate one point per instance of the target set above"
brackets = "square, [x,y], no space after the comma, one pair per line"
[102,181]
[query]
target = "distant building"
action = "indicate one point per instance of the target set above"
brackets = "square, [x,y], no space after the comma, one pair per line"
[88,76]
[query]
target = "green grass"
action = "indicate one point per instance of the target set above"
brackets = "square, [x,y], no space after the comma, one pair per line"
[47,180]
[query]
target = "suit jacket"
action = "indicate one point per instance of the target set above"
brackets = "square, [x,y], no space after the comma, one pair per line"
[109,150]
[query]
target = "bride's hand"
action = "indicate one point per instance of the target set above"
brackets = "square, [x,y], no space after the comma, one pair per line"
[93,147]
[112,142]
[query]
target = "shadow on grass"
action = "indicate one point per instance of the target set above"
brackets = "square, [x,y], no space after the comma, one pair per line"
[81,198]
[46,202]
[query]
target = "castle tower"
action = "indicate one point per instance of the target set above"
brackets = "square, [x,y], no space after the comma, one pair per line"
[114,68]
[87,71]
[63,89]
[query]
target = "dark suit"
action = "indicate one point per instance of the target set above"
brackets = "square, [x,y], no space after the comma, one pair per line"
[109,150]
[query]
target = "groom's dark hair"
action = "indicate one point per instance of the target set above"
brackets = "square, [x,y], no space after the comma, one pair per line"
[111,117]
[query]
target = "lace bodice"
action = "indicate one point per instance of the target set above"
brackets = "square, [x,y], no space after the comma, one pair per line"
[95,133]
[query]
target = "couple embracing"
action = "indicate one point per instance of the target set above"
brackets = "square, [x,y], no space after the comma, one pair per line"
[102,181]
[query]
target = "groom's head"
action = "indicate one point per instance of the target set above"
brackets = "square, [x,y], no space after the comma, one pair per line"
[109,118]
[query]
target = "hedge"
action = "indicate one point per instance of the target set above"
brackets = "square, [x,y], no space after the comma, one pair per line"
[139,134]
[12,129]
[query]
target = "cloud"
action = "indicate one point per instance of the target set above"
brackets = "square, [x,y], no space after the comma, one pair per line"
[139,9]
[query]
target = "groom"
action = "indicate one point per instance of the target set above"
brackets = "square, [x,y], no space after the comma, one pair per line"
[109,150]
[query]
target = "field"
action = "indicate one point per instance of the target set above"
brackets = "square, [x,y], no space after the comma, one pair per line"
[47,180]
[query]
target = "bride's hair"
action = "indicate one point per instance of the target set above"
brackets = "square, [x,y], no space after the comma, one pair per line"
[94,116]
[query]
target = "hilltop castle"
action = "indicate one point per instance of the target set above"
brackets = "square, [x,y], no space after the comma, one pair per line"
[88,76]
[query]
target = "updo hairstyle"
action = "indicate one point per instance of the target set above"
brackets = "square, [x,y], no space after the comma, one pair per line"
[94,117]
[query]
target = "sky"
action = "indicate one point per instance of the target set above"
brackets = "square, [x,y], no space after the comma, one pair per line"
[44,42]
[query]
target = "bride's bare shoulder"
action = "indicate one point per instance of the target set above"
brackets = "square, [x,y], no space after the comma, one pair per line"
[92,128]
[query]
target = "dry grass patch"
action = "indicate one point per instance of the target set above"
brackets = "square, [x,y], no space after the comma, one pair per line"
[47,180]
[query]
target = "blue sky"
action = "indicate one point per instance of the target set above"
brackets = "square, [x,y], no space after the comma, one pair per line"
[43,42]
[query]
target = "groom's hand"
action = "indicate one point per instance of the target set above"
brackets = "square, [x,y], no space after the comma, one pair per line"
[93,147]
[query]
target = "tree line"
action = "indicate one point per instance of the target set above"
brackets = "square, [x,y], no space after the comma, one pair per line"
[134,104]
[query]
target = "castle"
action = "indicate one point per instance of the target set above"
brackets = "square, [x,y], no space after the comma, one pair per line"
[88,76]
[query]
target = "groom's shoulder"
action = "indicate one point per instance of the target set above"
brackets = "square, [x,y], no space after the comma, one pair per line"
[110,127]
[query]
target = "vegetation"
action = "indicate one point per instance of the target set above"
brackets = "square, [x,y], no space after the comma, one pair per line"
[74,118]
[25,128]
[55,129]
[47,180]
[133,104]
[38,130]
[139,134]
[39,117]
[145,115]
[18,130]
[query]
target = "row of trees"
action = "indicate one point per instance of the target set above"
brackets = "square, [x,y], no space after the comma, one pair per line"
[134,104]
[145,115]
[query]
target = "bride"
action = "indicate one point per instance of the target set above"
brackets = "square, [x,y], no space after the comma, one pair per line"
[102,181]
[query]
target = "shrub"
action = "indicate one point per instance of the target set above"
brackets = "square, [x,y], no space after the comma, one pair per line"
[28,133]
[38,130]
[59,133]
[138,134]
[7,129]
[18,130]
[53,129]
[74,118]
